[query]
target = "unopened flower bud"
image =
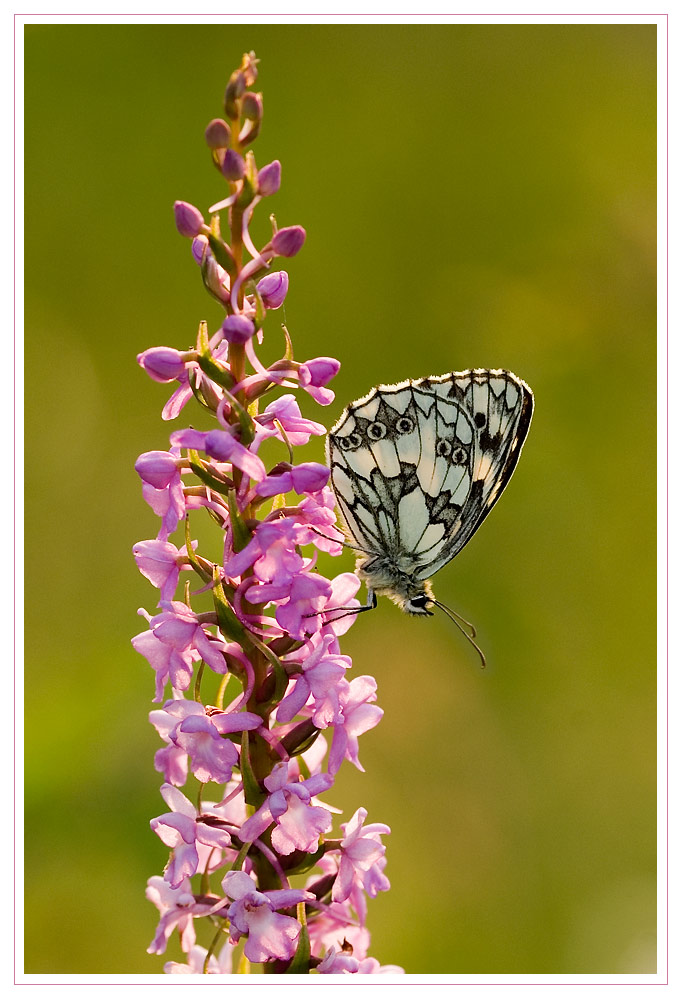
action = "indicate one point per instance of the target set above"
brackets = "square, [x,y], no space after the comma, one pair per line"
[199,248]
[236,87]
[232,167]
[269,178]
[237,329]
[288,241]
[157,468]
[308,477]
[252,107]
[188,219]
[163,364]
[318,371]
[215,277]
[219,444]
[273,289]
[249,63]
[217,134]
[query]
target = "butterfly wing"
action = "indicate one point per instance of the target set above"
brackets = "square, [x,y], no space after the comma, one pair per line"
[500,406]
[417,466]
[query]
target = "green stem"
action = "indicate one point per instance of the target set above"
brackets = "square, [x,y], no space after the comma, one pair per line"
[198,681]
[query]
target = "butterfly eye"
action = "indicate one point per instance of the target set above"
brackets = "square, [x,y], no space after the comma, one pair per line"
[443,448]
[459,456]
[376,430]
[418,605]
[404,425]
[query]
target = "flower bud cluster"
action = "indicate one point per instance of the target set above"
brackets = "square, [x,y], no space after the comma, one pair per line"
[257,705]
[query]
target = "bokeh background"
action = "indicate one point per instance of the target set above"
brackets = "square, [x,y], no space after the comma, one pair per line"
[478,195]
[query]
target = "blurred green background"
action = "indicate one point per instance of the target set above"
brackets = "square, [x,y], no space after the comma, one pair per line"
[478,195]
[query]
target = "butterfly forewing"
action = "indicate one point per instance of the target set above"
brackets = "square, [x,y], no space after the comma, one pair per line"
[417,466]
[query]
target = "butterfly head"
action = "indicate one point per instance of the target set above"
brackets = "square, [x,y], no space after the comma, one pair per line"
[419,604]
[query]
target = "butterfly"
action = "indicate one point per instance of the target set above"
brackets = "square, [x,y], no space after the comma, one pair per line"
[416,467]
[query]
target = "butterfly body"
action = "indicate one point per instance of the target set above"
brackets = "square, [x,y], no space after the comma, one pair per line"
[417,466]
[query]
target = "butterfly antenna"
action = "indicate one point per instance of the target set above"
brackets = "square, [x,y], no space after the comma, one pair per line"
[463,621]
[457,619]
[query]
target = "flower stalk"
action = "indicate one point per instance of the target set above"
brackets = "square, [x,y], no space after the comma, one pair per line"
[257,706]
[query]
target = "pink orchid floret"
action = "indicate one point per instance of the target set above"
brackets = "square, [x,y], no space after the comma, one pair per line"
[286,411]
[273,553]
[196,957]
[201,737]
[160,562]
[299,823]
[361,849]
[177,909]
[162,488]
[319,681]
[183,394]
[359,715]
[338,922]
[180,830]
[270,935]
[300,615]
[224,446]
[337,963]
[171,760]
[174,643]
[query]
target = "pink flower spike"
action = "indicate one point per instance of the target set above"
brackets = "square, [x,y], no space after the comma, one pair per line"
[248,757]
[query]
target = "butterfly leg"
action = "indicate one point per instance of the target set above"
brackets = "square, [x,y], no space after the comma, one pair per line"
[370,606]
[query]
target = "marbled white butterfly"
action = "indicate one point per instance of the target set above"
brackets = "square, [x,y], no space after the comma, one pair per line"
[416,467]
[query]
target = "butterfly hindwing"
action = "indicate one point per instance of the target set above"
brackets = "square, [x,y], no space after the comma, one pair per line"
[416,467]
[500,406]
